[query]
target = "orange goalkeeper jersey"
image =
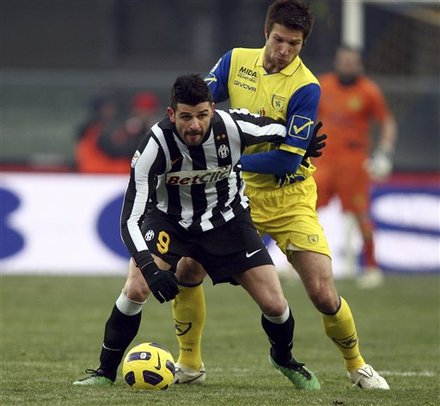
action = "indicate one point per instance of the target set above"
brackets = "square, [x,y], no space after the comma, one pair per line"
[346,113]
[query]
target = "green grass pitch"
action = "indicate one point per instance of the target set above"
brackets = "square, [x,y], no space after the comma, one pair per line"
[52,327]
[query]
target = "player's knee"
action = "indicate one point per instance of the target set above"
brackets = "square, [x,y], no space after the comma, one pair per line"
[190,272]
[136,291]
[325,300]
[274,306]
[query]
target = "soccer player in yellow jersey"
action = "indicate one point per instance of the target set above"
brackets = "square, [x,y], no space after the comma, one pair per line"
[274,81]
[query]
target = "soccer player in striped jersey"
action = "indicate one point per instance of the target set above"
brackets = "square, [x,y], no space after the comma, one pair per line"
[186,166]
[275,82]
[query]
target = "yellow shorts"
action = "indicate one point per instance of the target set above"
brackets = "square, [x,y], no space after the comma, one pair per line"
[289,216]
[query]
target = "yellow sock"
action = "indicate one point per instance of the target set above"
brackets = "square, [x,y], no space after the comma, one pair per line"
[189,313]
[341,329]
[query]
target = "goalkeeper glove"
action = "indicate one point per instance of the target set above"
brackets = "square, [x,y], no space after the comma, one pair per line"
[163,284]
[380,165]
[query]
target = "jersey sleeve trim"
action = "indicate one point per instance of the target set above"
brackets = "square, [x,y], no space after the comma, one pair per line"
[292,149]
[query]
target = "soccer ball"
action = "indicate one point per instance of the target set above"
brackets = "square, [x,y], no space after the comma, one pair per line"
[148,366]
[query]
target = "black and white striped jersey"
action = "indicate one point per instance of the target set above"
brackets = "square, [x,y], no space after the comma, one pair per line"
[196,186]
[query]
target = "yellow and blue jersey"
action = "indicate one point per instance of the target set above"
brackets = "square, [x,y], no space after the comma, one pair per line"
[291,95]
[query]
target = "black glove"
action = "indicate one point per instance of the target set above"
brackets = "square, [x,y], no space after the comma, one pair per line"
[316,144]
[313,150]
[286,179]
[163,284]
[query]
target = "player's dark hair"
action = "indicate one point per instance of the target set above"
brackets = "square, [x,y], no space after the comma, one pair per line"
[293,14]
[190,89]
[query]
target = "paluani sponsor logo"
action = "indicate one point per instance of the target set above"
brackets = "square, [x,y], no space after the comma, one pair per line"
[199,177]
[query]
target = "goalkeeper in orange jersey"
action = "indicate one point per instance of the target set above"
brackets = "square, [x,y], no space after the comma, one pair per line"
[274,81]
[349,103]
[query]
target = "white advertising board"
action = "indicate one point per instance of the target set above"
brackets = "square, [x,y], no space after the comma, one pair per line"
[69,224]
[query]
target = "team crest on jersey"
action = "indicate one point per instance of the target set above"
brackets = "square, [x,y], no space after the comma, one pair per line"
[278,102]
[300,127]
[223,151]
[149,235]
[136,156]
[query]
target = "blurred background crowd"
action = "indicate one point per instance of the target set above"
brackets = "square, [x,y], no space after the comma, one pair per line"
[67,62]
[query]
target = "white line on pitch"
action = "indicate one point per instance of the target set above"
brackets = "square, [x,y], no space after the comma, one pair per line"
[244,371]
[408,373]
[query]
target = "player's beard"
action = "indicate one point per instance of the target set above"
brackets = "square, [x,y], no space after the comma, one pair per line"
[193,138]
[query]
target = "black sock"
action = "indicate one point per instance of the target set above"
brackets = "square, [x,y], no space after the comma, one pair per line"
[281,338]
[120,330]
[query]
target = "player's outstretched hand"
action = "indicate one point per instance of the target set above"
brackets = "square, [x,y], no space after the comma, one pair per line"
[163,284]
